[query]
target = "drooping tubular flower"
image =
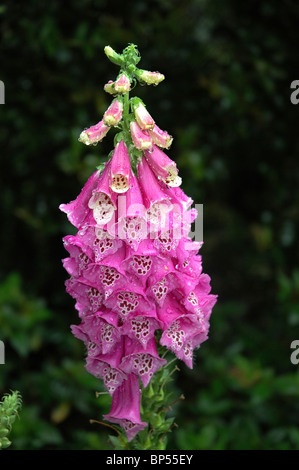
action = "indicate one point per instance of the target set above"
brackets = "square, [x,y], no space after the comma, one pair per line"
[113,114]
[94,134]
[141,138]
[133,269]
[160,138]
[163,167]
[120,171]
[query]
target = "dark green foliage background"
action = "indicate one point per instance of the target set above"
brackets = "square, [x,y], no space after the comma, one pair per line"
[226,101]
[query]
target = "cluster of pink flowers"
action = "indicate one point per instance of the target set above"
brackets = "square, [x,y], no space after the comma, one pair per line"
[133,269]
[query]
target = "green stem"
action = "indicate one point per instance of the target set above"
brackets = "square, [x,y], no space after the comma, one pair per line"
[126,112]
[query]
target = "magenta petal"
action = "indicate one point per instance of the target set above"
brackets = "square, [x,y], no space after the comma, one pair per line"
[177,196]
[160,138]
[120,176]
[131,204]
[141,138]
[89,298]
[163,167]
[103,200]
[106,367]
[131,224]
[150,187]
[80,257]
[141,328]
[112,377]
[200,302]
[100,330]
[113,114]
[141,361]
[75,245]
[114,260]
[140,266]
[183,335]
[166,244]
[104,278]
[125,407]
[101,243]
[156,201]
[129,302]
[78,209]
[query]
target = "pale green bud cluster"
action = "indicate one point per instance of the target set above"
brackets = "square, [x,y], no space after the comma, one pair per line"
[9,408]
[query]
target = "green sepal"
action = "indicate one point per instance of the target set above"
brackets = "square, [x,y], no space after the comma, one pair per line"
[4,443]
[101,167]
[135,101]
[4,421]
[3,432]
[118,137]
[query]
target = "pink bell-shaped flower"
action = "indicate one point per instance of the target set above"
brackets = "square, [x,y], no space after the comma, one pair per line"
[113,114]
[120,172]
[160,138]
[141,361]
[141,138]
[164,168]
[78,210]
[125,407]
[94,134]
[155,199]
[103,200]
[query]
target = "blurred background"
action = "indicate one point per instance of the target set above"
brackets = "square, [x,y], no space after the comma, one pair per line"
[226,101]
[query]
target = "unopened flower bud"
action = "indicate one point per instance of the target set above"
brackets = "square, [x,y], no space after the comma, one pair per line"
[150,78]
[94,134]
[142,116]
[109,88]
[122,84]
[141,138]
[114,113]
[113,56]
